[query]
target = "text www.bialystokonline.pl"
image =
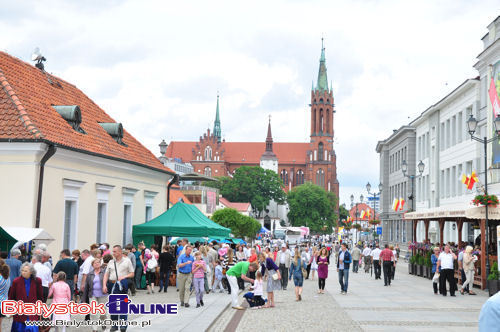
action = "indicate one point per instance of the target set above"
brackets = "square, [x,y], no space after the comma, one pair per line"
[79,323]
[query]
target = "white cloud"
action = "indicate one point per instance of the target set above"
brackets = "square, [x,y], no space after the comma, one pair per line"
[156,66]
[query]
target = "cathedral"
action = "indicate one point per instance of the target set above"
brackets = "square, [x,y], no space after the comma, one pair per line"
[295,163]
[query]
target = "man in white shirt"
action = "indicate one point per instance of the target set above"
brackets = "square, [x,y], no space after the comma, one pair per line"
[44,273]
[375,254]
[445,261]
[247,252]
[367,258]
[283,261]
[306,257]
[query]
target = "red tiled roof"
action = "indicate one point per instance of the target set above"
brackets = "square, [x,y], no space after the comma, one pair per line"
[176,194]
[241,207]
[26,112]
[244,152]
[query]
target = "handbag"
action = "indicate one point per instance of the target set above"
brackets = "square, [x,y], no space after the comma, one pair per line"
[152,263]
[275,276]
[304,273]
[435,278]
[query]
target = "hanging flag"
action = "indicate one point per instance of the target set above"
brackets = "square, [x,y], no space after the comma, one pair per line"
[472,180]
[395,204]
[368,213]
[495,103]
[401,204]
[363,214]
[465,179]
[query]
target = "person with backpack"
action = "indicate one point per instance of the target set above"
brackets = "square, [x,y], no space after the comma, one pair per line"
[343,261]
[150,264]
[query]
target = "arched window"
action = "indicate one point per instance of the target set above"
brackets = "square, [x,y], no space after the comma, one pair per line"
[208,171]
[299,179]
[321,154]
[320,177]
[321,121]
[208,153]
[284,177]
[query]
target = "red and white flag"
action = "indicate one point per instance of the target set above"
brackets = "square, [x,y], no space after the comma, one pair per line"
[495,103]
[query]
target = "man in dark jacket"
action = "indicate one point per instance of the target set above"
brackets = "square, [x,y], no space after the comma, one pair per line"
[343,261]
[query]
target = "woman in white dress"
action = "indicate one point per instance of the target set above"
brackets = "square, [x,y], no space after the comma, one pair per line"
[314,264]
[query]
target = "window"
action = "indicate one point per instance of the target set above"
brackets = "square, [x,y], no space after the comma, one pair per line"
[459,181]
[460,128]
[102,216]
[208,153]
[321,122]
[299,178]
[127,224]
[70,222]
[442,142]
[448,133]
[320,151]
[454,183]
[284,177]
[69,237]
[208,171]
[149,213]
[149,197]
[320,177]
[454,130]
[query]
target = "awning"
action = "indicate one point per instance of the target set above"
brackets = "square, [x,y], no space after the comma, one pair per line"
[479,212]
[446,212]
[27,234]
[263,230]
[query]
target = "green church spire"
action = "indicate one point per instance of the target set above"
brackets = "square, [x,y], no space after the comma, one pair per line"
[217,131]
[322,78]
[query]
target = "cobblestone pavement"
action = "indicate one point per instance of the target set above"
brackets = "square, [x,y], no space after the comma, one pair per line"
[409,304]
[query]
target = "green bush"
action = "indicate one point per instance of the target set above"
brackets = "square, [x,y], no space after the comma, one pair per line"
[413,259]
[493,272]
[428,261]
[420,259]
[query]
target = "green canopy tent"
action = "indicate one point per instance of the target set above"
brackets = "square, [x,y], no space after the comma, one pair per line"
[6,240]
[182,220]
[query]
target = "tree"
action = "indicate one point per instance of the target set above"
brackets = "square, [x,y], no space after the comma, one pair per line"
[343,213]
[255,185]
[239,224]
[312,206]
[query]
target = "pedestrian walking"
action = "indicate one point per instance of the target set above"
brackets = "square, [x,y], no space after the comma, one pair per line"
[445,262]
[139,264]
[93,289]
[283,259]
[323,261]
[4,285]
[435,270]
[367,258]
[207,279]
[387,259]
[198,271]
[118,271]
[69,267]
[344,259]
[297,267]
[150,264]
[489,319]
[239,270]
[460,261]
[375,254]
[469,269]
[313,262]
[306,258]
[44,273]
[184,267]
[356,256]
[393,274]
[271,270]
[166,262]
[218,278]
[26,288]
[60,293]
[14,264]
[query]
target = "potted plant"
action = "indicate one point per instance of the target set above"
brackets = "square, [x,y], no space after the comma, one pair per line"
[357,227]
[493,282]
[412,264]
[490,200]
[374,222]
[420,265]
[428,265]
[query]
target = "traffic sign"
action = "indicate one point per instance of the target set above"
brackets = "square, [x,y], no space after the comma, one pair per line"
[379,230]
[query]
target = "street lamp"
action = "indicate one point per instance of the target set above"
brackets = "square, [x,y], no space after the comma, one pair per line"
[163,149]
[368,189]
[404,169]
[361,198]
[471,128]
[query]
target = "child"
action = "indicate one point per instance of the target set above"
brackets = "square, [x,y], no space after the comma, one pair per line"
[61,294]
[199,268]
[258,290]
[218,278]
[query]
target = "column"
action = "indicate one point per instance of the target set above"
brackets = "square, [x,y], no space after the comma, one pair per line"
[426,222]
[483,251]
[441,231]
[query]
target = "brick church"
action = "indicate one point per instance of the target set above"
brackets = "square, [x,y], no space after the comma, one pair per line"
[296,163]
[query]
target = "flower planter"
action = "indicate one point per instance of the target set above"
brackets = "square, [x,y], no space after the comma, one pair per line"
[410,268]
[493,286]
[420,270]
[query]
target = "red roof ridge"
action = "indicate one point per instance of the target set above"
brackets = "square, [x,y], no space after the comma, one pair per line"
[23,115]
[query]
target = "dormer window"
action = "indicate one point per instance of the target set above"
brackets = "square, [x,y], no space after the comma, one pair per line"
[115,130]
[72,114]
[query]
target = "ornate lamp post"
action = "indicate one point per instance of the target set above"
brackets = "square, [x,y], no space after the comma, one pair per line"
[163,149]
[404,169]
[471,128]
[368,189]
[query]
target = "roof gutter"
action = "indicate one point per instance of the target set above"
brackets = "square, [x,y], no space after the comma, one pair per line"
[174,180]
[50,152]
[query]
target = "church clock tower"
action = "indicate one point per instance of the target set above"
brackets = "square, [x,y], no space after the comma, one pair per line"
[321,159]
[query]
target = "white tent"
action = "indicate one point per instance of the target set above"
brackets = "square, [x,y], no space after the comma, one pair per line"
[26,234]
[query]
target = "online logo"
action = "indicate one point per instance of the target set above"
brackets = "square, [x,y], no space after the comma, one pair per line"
[121,304]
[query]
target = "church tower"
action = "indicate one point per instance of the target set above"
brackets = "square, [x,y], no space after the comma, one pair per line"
[217,130]
[269,160]
[321,161]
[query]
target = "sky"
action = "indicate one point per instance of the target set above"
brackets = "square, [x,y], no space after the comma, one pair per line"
[156,66]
